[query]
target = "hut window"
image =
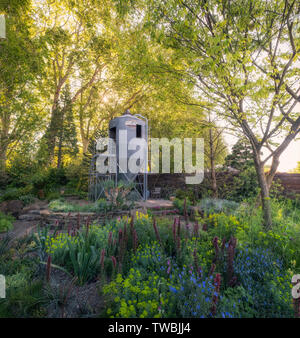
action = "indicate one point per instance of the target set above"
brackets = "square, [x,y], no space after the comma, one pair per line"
[138,131]
[113,133]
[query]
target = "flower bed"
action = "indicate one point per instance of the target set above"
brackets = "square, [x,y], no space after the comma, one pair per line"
[165,267]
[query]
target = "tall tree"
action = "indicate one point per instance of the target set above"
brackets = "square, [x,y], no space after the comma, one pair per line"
[67,136]
[215,151]
[241,156]
[21,66]
[78,54]
[242,56]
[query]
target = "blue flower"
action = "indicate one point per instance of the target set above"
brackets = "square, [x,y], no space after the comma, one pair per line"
[172,289]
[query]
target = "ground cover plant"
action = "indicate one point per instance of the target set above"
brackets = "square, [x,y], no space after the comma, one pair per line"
[6,222]
[219,265]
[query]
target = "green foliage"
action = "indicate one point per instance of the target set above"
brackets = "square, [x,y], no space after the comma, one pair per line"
[188,194]
[24,298]
[182,205]
[67,136]
[6,222]
[84,260]
[14,194]
[116,194]
[40,239]
[140,295]
[166,272]
[49,180]
[101,206]
[23,290]
[244,185]
[238,302]
[211,205]
[241,156]
[266,280]
[27,199]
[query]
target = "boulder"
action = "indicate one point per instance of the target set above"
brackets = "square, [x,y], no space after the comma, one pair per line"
[29,217]
[37,205]
[34,212]
[14,207]
[45,212]
[3,206]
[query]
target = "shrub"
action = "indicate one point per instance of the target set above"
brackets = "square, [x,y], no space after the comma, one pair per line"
[244,185]
[23,288]
[100,206]
[138,295]
[204,251]
[182,205]
[53,195]
[222,225]
[6,222]
[236,303]
[191,295]
[12,194]
[210,205]
[188,194]
[27,199]
[61,206]
[116,194]
[149,257]
[57,247]
[84,260]
[265,279]
[49,180]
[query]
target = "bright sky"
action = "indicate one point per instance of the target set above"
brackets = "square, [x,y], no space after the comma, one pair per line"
[289,158]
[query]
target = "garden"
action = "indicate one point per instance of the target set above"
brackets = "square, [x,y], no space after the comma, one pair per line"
[218,263]
[90,89]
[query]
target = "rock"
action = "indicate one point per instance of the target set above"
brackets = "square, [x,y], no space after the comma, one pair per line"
[37,205]
[13,207]
[45,212]
[3,206]
[34,212]
[29,217]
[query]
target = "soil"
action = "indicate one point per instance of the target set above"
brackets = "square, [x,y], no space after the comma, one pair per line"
[21,229]
[74,301]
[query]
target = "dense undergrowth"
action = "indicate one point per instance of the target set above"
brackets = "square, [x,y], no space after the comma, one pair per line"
[221,265]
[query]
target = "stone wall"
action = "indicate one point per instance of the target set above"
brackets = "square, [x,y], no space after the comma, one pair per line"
[169,183]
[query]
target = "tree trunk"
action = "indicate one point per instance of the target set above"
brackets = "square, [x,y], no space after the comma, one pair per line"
[213,178]
[3,150]
[85,144]
[51,134]
[59,154]
[264,192]
[212,165]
